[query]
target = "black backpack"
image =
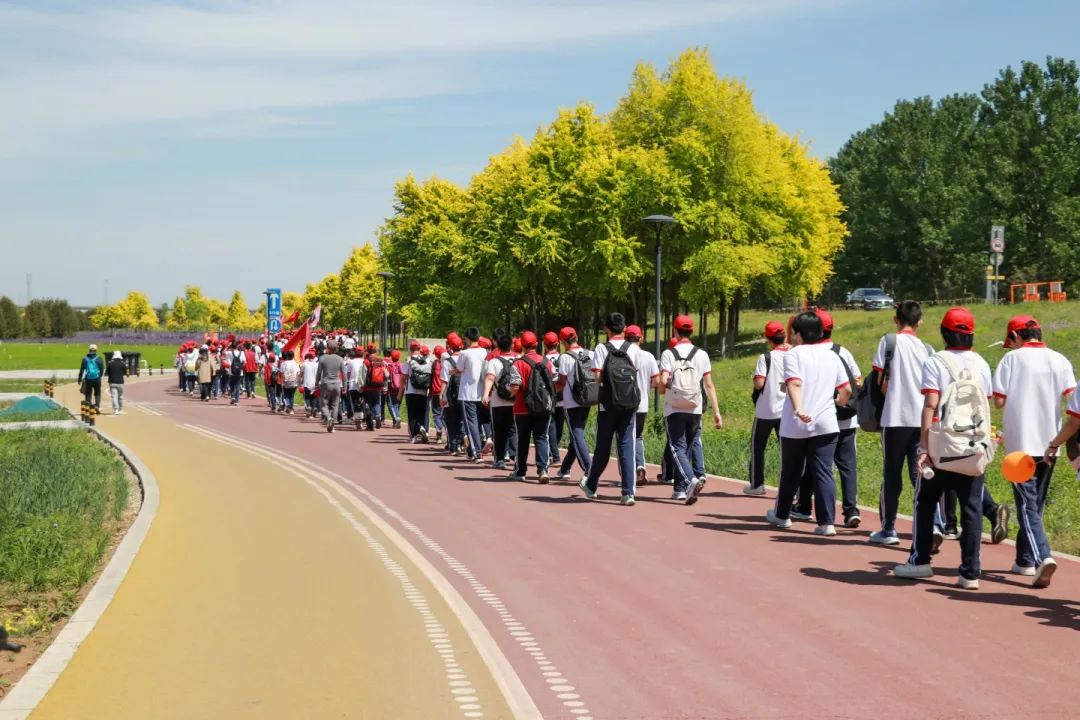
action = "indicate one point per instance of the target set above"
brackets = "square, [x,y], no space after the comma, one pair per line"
[502,385]
[237,367]
[585,390]
[453,386]
[420,375]
[847,411]
[539,392]
[620,388]
[756,393]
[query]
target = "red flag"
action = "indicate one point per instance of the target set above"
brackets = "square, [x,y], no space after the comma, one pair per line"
[292,318]
[316,314]
[301,339]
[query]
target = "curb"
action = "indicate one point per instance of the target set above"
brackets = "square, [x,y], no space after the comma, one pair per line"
[25,696]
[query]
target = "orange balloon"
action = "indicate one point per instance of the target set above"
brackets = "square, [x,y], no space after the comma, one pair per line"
[1018,467]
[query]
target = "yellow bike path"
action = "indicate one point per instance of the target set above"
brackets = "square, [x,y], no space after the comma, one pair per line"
[253,597]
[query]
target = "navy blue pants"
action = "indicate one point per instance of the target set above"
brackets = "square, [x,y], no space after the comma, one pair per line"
[617,426]
[1032,545]
[416,406]
[759,440]
[534,428]
[578,449]
[845,460]
[470,413]
[927,496]
[684,431]
[813,455]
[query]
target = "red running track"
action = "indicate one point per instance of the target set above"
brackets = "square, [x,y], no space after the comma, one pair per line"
[668,611]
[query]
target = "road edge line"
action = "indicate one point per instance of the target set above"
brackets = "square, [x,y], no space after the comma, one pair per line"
[32,687]
[506,678]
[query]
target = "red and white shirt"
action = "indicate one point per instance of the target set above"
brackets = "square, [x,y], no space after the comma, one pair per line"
[1032,380]
[936,378]
[903,402]
[770,404]
[822,374]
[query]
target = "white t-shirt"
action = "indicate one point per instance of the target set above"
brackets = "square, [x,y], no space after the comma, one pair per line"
[600,356]
[903,401]
[770,403]
[852,422]
[406,370]
[1072,407]
[936,379]
[701,364]
[349,343]
[290,373]
[471,364]
[310,368]
[356,373]
[567,370]
[1032,380]
[647,369]
[495,367]
[822,374]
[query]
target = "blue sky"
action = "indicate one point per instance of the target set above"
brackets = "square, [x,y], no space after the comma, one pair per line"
[250,143]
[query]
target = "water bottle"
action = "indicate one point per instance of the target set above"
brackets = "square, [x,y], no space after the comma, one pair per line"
[927,472]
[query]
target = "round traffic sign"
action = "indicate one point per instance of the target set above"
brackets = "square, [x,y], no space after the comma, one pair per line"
[274,325]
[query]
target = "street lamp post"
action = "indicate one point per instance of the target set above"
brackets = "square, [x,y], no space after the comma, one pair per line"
[658,222]
[266,320]
[385,275]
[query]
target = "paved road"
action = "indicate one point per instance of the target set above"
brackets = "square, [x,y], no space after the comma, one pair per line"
[656,611]
[261,592]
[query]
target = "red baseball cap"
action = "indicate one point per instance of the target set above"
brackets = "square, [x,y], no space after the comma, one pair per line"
[566,333]
[516,345]
[826,318]
[960,320]
[528,339]
[632,331]
[551,338]
[424,350]
[454,342]
[773,328]
[684,322]
[414,345]
[1021,322]
[484,343]
[439,350]
[395,354]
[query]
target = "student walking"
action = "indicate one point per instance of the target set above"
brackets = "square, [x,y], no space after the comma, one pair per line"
[578,386]
[816,383]
[91,368]
[204,371]
[451,401]
[899,360]
[615,364]
[116,372]
[290,380]
[684,371]
[435,394]
[331,370]
[470,368]
[768,403]
[499,397]
[418,373]
[1030,383]
[376,379]
[534,404]
[956,364]
[555,428]
[648,377]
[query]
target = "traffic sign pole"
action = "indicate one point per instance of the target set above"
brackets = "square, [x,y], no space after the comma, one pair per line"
[273,311]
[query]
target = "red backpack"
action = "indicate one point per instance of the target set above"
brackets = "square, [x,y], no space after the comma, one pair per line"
[395,375]
[377,376]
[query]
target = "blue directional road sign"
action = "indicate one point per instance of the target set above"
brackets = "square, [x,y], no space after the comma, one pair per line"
[273,310]
[274,325]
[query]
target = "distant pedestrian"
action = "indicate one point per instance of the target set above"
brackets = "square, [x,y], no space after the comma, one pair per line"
[331,370]
[91,368]
[534,404]
[204,370]
[555,428]
[648,377]
[499,397]
[116,372]
[579,387]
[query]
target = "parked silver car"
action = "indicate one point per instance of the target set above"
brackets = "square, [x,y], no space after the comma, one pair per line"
[870,299]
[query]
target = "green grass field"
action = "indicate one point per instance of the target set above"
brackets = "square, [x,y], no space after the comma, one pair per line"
[58,356]
[62,496]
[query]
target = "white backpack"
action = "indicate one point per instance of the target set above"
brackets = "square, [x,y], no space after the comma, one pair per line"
[960,439]
[684,387]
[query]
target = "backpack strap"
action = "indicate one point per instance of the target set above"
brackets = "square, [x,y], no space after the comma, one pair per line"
[890,350]
[691,355]
[850,377]
[950,364]
[768,363]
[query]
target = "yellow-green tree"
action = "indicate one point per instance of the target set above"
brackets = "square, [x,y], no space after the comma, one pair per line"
[178,319]
[134,312]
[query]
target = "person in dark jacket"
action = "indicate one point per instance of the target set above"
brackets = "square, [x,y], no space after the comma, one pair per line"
[115,371]
[91,369]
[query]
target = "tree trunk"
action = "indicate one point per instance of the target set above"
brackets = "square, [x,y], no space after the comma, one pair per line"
[722,311]
[703,327]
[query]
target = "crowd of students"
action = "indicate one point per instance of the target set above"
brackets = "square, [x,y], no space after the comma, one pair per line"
[494,400]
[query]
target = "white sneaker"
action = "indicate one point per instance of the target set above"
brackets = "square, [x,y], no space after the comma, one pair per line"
[515,476]
[1021,570]
[542,477]
[782,524]
[965,584]
[627,500]
[935,543]
[584,485]
[880,537]
[751,490]
[565,477]
[1043,574]
[913,572]
[825,530]
[678,496]
[692,492]
[796,515]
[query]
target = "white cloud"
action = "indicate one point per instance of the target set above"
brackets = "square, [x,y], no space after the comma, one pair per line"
[68,71]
